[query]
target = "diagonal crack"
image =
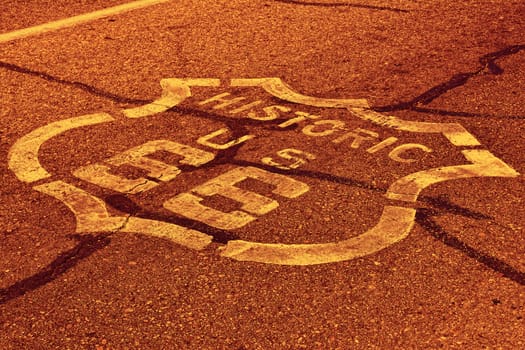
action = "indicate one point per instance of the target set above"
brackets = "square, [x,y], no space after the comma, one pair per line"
[487,63]
[339,4]
[76,84]
[130,191]
[425,219]
[86,246]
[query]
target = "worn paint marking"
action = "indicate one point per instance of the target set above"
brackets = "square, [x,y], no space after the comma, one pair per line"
[394,225]
[76,20]
[23,155]
[92,216]
[483,162]
[454,132]
[174,91]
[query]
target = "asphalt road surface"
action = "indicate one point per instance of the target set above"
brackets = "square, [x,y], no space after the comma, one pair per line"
[262,174]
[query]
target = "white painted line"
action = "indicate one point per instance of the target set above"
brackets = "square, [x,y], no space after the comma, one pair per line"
[75,20]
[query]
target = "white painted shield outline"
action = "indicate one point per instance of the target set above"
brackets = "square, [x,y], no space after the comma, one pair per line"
[394,224]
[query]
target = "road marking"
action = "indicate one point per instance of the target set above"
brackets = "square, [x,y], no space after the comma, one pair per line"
[92,216]
[189,205]
[299,157]
[23,155]
[483,162]
[174,91]
[137,157]
[205,140]
[394,224]
[75,20]
[454,132]
[395,154]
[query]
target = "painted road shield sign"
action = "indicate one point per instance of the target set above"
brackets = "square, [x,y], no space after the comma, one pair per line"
[264,172]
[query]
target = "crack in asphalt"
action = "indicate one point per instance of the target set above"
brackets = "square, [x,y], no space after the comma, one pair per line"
[130,191]
[424,217]
[487,63]
[443,112]
[76,84]
[339,4]
[126,205]
[86,246]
